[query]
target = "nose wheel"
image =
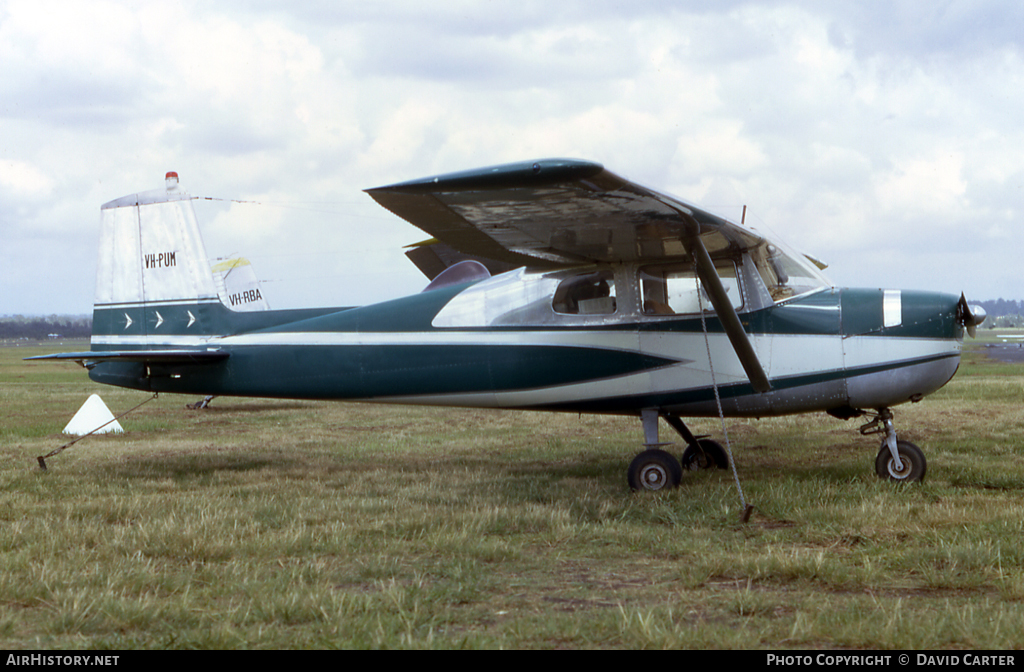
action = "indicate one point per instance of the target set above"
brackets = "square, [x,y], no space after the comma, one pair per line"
[899,461]
[911,467]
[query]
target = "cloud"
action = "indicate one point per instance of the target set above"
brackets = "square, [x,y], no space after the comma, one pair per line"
[23,180]
[855,131]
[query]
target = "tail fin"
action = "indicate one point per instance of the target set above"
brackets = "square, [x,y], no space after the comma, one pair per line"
[238,286]
[154,284]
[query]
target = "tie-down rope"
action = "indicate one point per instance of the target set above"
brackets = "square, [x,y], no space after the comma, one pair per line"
[747,508]
[42,458]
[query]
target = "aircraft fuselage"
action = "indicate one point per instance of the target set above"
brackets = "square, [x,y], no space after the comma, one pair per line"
[828,349]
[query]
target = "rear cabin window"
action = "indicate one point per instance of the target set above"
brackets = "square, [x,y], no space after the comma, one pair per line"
[520,297]
[676,289]
[590,293]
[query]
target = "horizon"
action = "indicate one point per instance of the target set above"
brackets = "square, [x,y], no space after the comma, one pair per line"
[3,316]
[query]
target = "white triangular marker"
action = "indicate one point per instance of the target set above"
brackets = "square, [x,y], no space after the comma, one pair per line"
[91,415]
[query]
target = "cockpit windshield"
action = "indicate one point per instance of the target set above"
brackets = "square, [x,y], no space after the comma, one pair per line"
[785,273]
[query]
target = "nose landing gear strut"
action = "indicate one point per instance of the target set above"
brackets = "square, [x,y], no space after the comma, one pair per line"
[899,461]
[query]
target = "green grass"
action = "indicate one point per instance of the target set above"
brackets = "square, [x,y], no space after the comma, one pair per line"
[282,524]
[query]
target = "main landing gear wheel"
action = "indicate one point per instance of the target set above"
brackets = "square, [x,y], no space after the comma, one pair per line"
[707,454]
[914,464]
[654,469]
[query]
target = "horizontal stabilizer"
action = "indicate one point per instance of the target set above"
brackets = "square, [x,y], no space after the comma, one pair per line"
[145,356]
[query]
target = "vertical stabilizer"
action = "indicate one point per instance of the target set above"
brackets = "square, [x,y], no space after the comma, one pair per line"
[154,285]
[238,286]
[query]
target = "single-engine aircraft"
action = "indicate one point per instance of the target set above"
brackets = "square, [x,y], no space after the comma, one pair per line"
[555,285]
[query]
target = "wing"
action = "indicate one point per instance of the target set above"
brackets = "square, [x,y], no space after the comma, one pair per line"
[557,212]
[432,257]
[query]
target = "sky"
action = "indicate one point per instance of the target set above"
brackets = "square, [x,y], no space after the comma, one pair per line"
[884,138]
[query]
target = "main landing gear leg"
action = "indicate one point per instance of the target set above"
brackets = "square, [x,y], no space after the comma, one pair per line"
[653,469]
[899,461]
[701,452]
[656,469]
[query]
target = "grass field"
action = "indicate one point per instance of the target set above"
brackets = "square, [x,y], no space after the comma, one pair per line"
[280,524]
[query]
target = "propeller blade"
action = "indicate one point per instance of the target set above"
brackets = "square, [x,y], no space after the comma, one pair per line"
[970,316]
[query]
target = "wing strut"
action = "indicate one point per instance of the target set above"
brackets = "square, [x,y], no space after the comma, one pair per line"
[727,314]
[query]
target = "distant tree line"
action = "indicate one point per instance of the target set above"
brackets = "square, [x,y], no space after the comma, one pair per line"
[1001,307]
[40,328]
[1002,313]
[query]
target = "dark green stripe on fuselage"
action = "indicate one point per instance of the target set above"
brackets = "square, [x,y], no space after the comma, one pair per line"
[370,371]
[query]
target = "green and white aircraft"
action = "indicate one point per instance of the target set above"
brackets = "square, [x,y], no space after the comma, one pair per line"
[619,300]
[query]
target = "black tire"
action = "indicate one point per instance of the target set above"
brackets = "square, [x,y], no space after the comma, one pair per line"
[707,454]
[914,464]
[654,470]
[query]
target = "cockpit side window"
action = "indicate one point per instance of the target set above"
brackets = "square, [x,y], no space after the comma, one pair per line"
[675,289]
[591,293]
